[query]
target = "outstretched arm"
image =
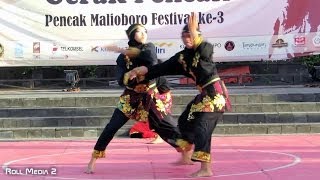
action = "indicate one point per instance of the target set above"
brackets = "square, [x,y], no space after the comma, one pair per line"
[169,67]
[131,52]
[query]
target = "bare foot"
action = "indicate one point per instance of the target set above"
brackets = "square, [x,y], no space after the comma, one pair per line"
[183,162]
[201,173]
[91,166]
[185,158]
[157,140]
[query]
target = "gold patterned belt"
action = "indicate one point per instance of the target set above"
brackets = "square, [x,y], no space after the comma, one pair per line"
[208,83]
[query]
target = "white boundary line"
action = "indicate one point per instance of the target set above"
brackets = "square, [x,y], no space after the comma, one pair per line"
[296,161]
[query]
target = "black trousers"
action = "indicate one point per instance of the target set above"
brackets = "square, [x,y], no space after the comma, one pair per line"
[199,129]
[117,120]
[165,127]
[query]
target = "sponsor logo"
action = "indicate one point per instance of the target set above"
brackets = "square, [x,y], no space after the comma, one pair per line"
[72,48]
[254,46]
[280,43]
[162,44]
[18,50]
[36,47]
[55,48]
[160,50]
[229,45]
[98,49]
[316,41]
[1,50]
[55,52]
[36,50]
[299,40]
[216,45]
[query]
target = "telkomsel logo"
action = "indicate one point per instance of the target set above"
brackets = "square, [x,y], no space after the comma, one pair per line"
[72,48]
[229,45]
[55,48]
[56,52]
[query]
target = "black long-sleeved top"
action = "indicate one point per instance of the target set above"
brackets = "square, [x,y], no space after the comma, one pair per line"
[194,63]
[147,57]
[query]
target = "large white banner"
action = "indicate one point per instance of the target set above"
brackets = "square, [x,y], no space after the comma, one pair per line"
[73,32]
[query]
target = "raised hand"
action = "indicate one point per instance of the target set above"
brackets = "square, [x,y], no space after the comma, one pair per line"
[193,25]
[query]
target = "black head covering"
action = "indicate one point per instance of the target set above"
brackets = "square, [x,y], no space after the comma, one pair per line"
[131,31]
[186,29]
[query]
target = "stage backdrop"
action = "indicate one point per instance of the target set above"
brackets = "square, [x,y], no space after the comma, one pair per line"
[74,32]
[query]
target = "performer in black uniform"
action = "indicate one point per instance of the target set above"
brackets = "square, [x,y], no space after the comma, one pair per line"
[201,115]
[140,101]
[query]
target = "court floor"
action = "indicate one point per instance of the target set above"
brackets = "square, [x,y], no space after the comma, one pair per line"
[278,157]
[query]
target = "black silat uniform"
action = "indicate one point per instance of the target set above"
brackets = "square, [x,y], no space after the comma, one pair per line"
[138,102]
[201,115]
